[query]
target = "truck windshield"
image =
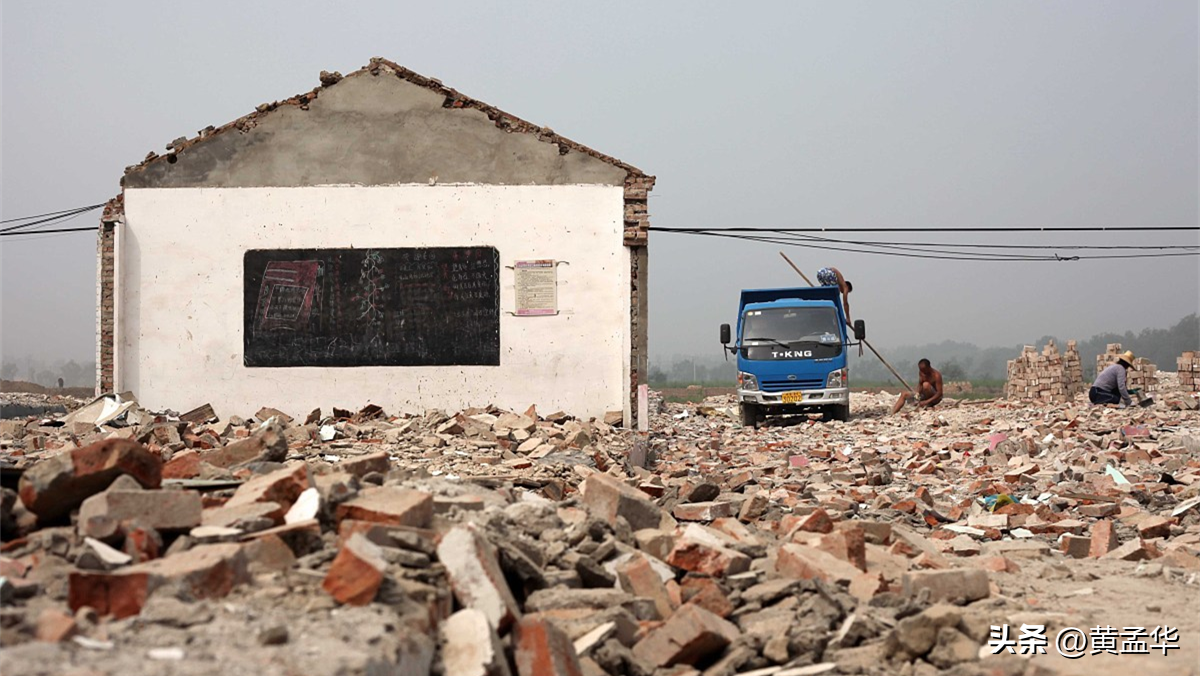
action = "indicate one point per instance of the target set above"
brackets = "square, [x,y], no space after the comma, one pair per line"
[791,333]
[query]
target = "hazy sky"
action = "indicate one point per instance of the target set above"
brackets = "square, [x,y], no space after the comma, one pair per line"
[788,114]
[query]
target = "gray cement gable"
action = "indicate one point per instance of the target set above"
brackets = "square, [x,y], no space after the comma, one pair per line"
[372,130]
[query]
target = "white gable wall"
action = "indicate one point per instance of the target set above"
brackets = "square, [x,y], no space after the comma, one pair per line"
[180,295]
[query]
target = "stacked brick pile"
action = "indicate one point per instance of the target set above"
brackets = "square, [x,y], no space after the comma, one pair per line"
[1073,369]
[1189,371]
[1038,376]
[1142,376]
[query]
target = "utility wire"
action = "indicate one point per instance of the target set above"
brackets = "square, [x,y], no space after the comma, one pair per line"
[62,216]
[1100,228]
[47,231]
[899,247]
[52,213]
[958,256]
[784,233]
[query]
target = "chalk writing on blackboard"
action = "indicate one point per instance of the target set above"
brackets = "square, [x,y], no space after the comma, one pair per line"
[285,295]
[536,288]
[372,307]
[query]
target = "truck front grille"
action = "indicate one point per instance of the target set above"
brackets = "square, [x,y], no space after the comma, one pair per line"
[787,385]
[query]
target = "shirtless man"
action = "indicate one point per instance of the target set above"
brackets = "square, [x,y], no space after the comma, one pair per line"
[833,277]
[930,390]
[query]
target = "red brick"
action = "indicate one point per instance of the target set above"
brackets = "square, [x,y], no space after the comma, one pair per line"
[707,593]
[754,507]
[1075,546]
[876,532]
[690,636]
[866,585]
[162,510]
[638,578]
[206,571]
[356,573]
[142,543]
[390,505]
[544,650]
[182,465]
[1136,549]
[999,564]
[702,511]
[848,544]
[1154,527]
[607,498]
[270,553]
[365,464]
[1100,510]
[926,560]
[707,557]
[1103,539]
[56,485]
[816,522]
[475,576]
[282,487]
[230,517]
[267,444]
[808,563]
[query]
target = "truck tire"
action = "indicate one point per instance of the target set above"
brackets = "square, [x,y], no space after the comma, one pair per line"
[840,412]
[749,415]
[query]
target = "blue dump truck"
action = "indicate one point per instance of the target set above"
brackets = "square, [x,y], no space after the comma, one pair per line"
[791,353]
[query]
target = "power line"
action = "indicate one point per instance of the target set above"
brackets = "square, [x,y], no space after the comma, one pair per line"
[48,231]
[804,239]
[1099,228]
[1150,247]
[52,213]
[941,255]
[62,216]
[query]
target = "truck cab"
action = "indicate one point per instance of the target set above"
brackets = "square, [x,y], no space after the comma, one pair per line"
[791,353]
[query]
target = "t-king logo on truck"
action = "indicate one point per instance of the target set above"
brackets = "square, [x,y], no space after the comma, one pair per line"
[791,354]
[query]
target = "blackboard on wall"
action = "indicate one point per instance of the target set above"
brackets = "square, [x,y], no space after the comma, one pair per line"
[372,307]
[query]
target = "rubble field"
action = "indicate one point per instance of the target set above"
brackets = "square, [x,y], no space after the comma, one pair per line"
[497,543]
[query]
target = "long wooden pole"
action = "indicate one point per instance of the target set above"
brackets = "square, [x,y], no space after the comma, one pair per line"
[885,362]
[789,262]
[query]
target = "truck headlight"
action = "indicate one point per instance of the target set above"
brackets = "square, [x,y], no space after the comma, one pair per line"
[747,381]
[838,378]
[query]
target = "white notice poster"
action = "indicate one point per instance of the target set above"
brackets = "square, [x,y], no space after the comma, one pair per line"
[537,288]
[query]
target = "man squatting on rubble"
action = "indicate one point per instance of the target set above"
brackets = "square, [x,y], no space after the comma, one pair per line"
[1109,387]
[929,392]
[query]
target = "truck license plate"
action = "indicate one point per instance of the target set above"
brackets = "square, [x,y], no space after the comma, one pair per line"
[792,397]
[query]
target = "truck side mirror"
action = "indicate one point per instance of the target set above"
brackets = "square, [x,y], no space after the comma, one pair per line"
[860,330]
[724,334]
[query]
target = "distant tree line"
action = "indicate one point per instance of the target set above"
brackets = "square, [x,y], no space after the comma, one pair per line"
[956,360]
[46,373]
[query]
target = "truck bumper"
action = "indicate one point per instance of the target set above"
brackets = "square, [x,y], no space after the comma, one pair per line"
[837,396]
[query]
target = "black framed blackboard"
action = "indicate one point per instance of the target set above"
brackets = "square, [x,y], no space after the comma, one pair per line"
[372,307]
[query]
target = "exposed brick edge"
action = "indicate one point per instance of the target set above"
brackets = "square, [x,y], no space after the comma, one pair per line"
[637,230]
[114,212]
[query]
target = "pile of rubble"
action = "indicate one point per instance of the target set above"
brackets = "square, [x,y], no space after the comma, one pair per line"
[1040,376]
[1188,365]
[1142,375]
[494,542]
